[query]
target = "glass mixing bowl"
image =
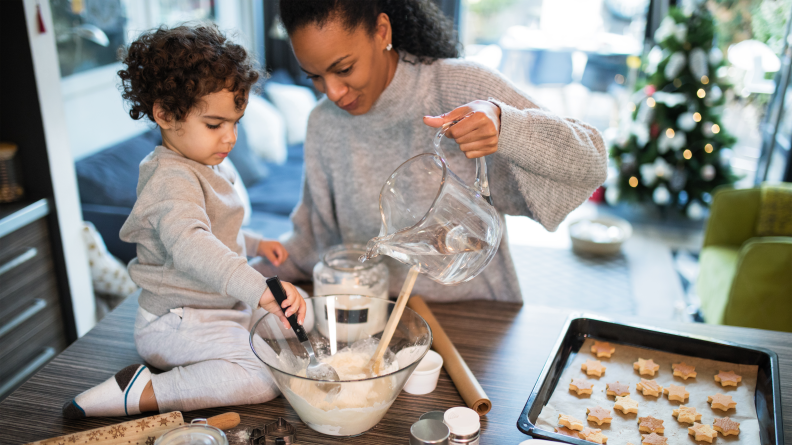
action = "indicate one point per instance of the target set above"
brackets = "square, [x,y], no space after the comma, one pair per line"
[356,403]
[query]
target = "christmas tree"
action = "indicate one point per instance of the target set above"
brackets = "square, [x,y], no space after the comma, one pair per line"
[673,151]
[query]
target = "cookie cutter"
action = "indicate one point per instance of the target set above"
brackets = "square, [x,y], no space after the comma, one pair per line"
[279,432]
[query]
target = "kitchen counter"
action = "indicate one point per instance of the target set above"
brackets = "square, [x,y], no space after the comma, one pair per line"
[504,344]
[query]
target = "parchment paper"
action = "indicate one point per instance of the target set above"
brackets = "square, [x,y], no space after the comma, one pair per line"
[624,427]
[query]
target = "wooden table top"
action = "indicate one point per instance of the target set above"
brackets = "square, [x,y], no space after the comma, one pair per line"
[504,344]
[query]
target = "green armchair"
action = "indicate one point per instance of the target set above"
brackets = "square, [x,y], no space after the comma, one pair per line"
[744,279]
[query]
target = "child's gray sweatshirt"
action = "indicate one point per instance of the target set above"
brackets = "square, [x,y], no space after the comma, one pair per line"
[190,249]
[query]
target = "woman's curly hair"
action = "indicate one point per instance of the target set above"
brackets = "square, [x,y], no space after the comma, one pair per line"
[418,26]
[177,67]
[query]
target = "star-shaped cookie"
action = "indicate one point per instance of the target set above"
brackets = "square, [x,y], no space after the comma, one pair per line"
[570,422]
[676,393]
[602,349]
[599,414]
[683,370]
[626,405]
[649,388]
[593,435]
[686,414]
[702,432]
[618,389]
[646,367]
[593,367]
[728,378]
[581,386]
[722,402]
[650,424]
[726,426]
[653,439]
[567,432]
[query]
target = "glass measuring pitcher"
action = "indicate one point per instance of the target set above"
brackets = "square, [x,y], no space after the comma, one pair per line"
[433,220]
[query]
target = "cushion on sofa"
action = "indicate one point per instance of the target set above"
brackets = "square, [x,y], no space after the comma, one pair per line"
[250,168]
[718,266]
[110,177]
[279,192]
[266,130]
[295,104]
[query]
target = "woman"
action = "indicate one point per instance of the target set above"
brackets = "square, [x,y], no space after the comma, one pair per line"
[383,65]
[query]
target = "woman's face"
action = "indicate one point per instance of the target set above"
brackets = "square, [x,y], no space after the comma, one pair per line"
[351,67]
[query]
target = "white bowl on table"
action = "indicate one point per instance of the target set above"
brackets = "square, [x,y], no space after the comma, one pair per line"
[599,236]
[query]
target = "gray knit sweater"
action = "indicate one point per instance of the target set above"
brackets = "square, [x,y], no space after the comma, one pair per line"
[190,250]
[544,168]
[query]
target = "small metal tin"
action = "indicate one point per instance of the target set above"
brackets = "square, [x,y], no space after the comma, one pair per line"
[435,415]
[429,432]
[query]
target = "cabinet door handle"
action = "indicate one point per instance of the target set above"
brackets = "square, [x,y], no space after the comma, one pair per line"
[27,370]
[26,256]
[37,306]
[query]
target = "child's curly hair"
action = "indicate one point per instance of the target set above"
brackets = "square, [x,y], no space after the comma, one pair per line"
[177,67]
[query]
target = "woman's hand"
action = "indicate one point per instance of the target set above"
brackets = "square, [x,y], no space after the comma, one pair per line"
[477,134]
[274,251]
[294,302]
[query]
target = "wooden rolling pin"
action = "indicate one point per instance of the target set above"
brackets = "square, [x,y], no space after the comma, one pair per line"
[464,380]
[138,432]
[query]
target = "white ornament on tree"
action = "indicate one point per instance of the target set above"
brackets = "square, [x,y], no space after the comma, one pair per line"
[675,65]
[698,63]
[715,56]
[653,59]
[726,155]
[661,195]
[675,142]
[612,195]
[648,174]
[706,129]
[671,100]
[686,121]
[641,132]
[715,94]
[708,172]
[662,168]
[695,211]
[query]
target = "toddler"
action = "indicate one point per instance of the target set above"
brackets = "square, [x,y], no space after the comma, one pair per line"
[198,293]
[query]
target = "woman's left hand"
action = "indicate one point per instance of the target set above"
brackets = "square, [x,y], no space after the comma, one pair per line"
[477,134]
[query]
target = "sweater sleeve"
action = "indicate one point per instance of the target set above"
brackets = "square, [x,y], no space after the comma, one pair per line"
[546,165]
[172,206]
[314,223]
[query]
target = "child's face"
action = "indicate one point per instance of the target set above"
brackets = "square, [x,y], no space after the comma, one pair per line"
[208,133]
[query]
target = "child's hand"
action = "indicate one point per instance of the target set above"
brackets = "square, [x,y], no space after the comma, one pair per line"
[294,302]
[274,251]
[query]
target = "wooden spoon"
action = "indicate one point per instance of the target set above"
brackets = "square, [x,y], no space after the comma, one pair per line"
[375,365]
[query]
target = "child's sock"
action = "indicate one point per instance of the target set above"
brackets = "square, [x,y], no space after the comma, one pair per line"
[117,396]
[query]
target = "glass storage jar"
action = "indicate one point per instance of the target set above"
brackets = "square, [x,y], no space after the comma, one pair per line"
[340,272]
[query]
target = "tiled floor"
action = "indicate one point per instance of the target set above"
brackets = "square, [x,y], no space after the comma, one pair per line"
[642,281]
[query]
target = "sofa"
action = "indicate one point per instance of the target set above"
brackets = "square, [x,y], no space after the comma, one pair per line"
[107,180]
[745,276]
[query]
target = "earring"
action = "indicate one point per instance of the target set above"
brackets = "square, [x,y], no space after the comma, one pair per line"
[389,47]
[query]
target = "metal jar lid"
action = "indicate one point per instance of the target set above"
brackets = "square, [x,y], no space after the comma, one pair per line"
[429,432]
[198,432]
[435,415]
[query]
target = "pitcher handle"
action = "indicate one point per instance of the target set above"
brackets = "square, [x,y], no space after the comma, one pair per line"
[481,184]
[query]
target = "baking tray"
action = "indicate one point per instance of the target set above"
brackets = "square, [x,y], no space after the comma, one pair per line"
[580,327]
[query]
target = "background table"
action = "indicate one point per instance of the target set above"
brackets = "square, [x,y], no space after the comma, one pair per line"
[505,345]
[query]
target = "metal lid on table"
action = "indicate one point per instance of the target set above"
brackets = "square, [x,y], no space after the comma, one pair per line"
[429,432]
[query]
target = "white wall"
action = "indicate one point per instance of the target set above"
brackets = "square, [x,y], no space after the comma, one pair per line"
[64,182]
[96,115]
